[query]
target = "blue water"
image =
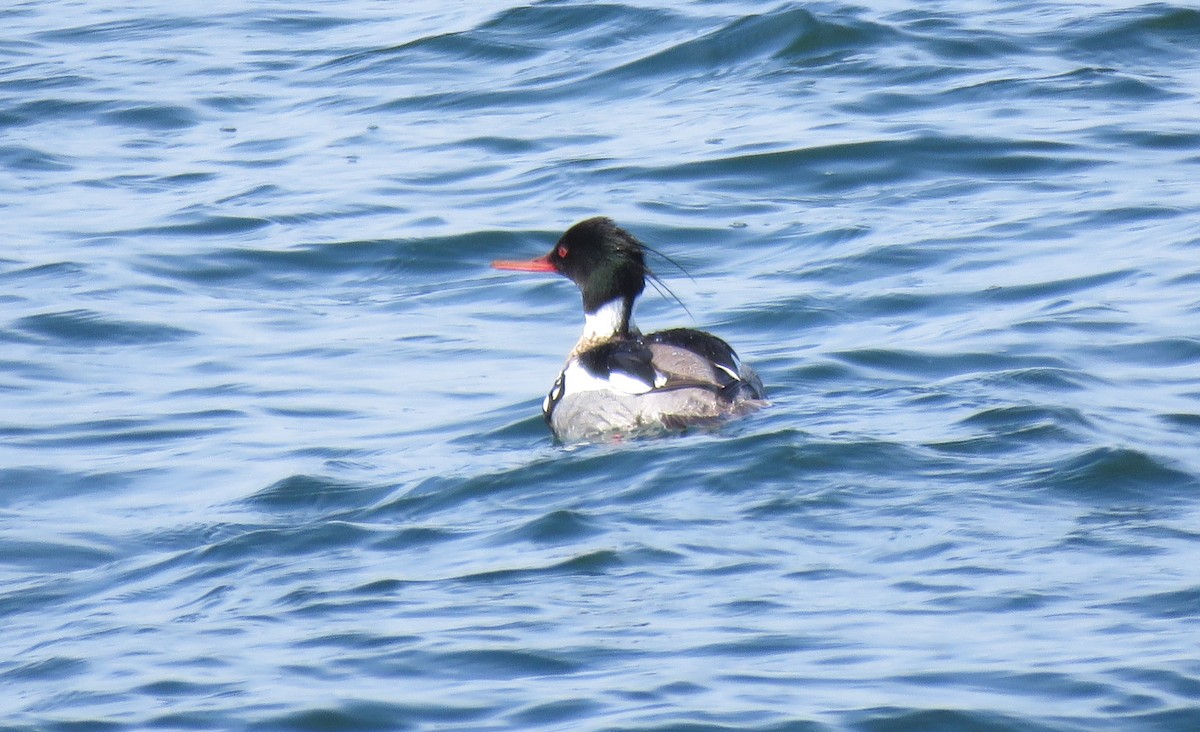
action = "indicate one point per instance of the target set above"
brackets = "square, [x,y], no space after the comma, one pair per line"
[270,449]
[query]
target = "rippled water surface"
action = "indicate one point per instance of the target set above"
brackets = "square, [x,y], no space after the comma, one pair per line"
[270,449]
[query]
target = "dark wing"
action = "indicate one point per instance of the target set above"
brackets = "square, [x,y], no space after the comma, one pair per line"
[706,345]
[728,371]
[623,359]
[665,361]
[626,365]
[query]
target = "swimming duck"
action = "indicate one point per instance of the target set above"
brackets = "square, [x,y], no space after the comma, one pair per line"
[617,380]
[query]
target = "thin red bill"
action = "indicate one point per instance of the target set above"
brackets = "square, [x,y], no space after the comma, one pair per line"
[541,264]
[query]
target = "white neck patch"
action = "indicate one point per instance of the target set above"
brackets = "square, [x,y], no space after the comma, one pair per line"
[602,325]
[605,322]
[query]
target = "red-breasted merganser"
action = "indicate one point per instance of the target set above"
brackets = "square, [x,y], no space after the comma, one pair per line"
[617,380]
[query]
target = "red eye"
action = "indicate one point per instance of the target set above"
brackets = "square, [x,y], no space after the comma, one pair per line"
[562,252]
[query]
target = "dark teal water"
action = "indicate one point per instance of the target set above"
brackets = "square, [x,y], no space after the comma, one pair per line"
[270,450]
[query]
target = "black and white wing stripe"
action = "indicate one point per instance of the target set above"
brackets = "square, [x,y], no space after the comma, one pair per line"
[622,366]
[666,361]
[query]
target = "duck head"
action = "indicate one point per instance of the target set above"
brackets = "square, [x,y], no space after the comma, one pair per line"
[606,263]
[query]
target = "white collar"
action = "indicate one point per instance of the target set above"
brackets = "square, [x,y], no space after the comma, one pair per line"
[603,325]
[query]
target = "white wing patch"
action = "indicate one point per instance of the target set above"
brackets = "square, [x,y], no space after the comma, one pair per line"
[733,374]
[628,383]
[575,378]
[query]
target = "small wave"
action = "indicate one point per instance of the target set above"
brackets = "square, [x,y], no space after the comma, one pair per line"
[87,327]
[556,527]
[594,563]
[1155,33]
[785,457]
[23,158]
[897,719]
[1022,416]
[367,715]
[1042,378]
[1188,421]
[1002,430]
[46,670]
[424,263]
[53,556]
[314,495]
[1171,605]
[441,48]
[503,663]
[1157,352]
[787,32]
[128,431]
[151,183]
[598,24]
[1109,473]
[41,111]
[51,270]
[939,365]
[147,27]
[202,225]
[1086,83]
[296,21]
[152,117]
[40,485]
[514,35]
[557,712]
[1057,288]
[840,167]
[287,540]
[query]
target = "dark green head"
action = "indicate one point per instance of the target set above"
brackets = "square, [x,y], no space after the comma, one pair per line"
[605,261]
